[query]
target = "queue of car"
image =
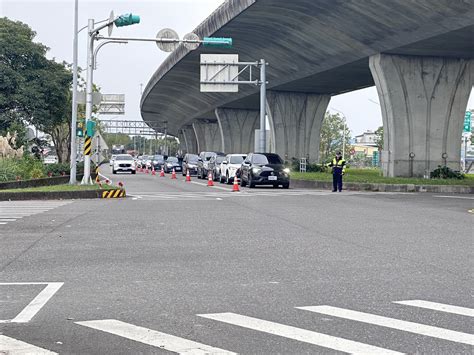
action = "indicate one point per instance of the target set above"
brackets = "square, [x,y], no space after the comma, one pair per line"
[251,169]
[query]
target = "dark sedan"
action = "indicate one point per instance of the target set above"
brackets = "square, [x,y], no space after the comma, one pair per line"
[172,163]
[264,169]
[157,161]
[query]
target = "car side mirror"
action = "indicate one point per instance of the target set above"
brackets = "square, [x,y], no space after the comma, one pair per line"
[224,162]
[199,159]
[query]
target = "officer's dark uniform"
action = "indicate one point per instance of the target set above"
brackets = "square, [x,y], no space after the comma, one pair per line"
[338,169]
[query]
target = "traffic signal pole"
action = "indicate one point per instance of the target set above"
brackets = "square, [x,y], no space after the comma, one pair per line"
[86,180]
[73,157]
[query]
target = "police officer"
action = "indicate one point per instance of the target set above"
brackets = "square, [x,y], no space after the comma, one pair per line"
[338,166]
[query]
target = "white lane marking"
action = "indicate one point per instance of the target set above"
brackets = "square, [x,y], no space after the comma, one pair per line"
[215,187]
[12,346]
[463,311]
[152,337]
[303,335]
[411,327]
[3,222]
[459,197]
[38,302]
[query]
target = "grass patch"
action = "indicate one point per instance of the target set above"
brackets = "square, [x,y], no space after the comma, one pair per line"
[375,176]
[61,188]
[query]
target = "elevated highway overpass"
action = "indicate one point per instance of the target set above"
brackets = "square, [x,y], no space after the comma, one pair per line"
[419,54]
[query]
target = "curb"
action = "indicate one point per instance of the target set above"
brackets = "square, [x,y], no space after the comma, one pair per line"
[59,195]
[354,186]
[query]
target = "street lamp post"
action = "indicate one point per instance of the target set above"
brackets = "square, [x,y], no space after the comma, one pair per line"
[73,171]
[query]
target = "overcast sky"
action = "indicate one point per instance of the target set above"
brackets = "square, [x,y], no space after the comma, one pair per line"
[122,68]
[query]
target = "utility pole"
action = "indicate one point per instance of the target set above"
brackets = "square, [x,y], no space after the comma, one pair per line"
[73,157]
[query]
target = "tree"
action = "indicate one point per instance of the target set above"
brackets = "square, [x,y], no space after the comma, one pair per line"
[379,138]
[332,133]
[34,90]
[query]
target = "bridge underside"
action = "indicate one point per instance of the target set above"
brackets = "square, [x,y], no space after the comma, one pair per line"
[319,49]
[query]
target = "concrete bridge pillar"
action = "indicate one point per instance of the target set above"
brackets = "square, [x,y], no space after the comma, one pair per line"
[423,101]
[237,129]
[189,143]
[296,120]
[208,135]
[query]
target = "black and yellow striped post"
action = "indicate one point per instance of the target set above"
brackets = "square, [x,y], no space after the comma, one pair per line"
[88,146]
[117,193]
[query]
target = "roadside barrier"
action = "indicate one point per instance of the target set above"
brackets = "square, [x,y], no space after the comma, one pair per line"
[116,193]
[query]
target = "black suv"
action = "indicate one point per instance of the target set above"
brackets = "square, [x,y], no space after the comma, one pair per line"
[264,169]
[190,162]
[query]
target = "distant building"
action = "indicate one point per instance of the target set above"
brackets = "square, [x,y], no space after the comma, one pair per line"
[365,144]
[367,138]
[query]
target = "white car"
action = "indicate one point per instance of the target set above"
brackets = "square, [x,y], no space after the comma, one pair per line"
[229,167]
[124,162]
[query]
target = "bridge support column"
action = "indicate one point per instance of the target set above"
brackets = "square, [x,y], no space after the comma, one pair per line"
[189,143]
[423,101]
[208,136]
[296,120]
[237,129]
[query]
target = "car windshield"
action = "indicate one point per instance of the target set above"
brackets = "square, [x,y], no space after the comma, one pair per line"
[237,159]
[209,155]
[123,157]
[267,159]
[193,159]
[158,157]
[172,160]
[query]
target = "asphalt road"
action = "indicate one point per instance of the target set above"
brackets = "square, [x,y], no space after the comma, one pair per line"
[181,266]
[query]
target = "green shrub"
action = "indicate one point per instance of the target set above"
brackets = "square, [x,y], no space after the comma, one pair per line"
[36,173]
[56,169]
[444,172]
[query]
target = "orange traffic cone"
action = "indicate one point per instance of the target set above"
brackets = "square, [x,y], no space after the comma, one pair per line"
[188,177]
[235,187]
[173,174]
[153,172]
[162,172]
[210,182]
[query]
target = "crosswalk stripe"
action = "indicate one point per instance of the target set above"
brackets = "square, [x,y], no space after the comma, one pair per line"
[303,335]
[411,327]
[13,210]
[12,346]
[153,337]
[439,307]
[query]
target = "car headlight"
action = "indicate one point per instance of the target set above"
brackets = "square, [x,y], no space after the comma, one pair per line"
[255,170]
[286,171]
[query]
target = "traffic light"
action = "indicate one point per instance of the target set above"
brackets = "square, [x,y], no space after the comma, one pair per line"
[127,20]
[80,128]
[217,42]
[467,121]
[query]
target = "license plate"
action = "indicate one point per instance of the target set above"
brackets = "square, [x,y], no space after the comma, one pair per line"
[272,178]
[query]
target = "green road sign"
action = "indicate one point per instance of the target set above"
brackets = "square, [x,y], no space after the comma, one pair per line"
[375,158]
[467,121]
[217,42]
[90,128]
[127,20]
